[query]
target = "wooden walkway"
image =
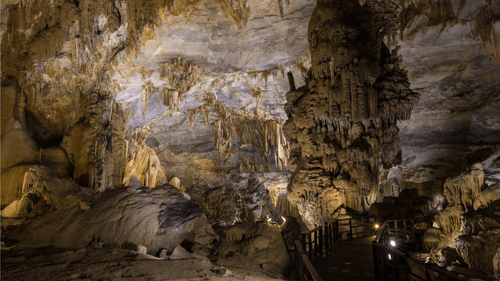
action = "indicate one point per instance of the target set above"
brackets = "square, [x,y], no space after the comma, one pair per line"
[348,261]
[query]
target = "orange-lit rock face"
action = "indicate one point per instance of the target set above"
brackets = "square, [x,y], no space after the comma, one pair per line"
[343,123]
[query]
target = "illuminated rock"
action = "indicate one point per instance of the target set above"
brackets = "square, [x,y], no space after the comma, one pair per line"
[342,125]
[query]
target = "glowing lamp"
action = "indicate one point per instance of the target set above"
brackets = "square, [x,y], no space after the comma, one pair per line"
[393,243]
[389,256]
[376,226]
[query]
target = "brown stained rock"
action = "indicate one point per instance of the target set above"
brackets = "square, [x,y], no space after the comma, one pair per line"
[96,147]
[142,161]
[12,183]
[220,206]
[15,131]
[477,221]
[261,243]
[449,219]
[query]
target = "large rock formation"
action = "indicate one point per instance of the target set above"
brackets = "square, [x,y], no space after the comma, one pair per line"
[155,218]
[470,222]
[342,124]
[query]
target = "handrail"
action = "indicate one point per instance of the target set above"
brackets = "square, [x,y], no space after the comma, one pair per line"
[305,263]
[319,241]
[349,219]
[393,229]
[390,260]
[380,233]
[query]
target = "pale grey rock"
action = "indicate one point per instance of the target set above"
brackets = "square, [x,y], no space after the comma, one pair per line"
[142,250]
[120,218]
[180,253]
[164,254]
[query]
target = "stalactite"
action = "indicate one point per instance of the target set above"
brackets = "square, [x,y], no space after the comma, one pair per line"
[144,163]
[237,9]
[282,4]
[483,23]
[180,73]
[464,189]
[257,128]
[171,99]
[449,219]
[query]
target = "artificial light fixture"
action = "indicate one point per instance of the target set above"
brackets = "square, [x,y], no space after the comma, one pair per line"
[389,256]
[376,226]
[393,243]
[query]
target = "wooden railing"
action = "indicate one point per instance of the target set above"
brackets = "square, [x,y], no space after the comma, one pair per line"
[394,262]
[318,242]
[306,269]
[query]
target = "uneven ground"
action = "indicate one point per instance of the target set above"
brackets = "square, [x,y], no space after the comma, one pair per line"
[118,264]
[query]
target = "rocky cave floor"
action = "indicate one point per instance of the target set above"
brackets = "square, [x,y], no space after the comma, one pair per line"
[25,262]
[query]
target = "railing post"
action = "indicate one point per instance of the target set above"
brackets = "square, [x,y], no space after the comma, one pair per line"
[315,254]
[332,234]
[326,240]
[310,245]
[301,271]
[350,228]
[304,245]
[320,241]
[396,267]
[407,267]
[428,272]
[375,260]
[363,226]
[337,238]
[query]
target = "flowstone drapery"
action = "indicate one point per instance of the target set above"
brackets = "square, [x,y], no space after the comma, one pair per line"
[342,124]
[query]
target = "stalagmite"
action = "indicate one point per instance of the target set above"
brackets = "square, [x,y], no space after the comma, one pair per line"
[343,124]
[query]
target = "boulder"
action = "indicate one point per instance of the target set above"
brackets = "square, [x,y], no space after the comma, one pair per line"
[262,243]
[180,253]
[157,218]
[481,251]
